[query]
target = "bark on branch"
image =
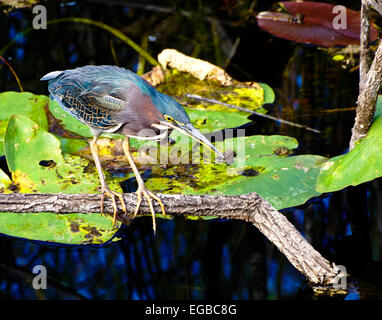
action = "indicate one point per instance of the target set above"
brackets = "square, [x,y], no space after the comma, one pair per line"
[370,80]
[250,207]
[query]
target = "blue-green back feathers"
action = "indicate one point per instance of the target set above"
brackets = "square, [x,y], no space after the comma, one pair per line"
[106,97]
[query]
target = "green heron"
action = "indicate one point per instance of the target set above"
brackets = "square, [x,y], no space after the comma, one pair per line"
[114,99]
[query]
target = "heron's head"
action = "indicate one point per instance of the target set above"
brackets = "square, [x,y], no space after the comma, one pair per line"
[175,117]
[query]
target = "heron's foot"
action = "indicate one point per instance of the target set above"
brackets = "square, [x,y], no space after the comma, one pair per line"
[113,195]
[142,190]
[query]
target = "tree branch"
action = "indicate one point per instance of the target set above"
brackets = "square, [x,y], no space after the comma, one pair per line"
[250,207]
[377,5]
[364,62]
[370,80]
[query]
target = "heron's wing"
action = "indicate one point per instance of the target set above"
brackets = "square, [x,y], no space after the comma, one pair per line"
[104,97]
[88,101]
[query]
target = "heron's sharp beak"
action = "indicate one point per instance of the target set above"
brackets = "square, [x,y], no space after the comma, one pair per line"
[194,133]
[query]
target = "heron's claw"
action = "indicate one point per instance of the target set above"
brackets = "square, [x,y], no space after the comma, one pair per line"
[142,190]
[112,195]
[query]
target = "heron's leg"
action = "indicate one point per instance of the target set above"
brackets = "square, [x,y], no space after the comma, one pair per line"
[105,188]
[142,190]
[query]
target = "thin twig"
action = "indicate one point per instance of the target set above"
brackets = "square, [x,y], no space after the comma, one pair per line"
[113,31]
[113,54]
[141,59]
[13,72]
[232,106]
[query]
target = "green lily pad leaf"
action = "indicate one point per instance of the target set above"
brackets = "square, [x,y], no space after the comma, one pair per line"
[37,164]
[69,122]
[269,94]
[363,163]
[23,103]
[257,151]
[207,120]
[378,108]
[69,145]
[58,228]
[260,166]
[180,84]
[284,182]
[247,97]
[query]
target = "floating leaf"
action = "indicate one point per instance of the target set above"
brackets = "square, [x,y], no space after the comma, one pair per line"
[69,145]
[284,182]
[210,121]
[258,150]
[264,168]
[378,108]
[69,122]
[180,84]
[363,163]
[269,94]
[313,22]
[23,103]
[58,228]
[37,165]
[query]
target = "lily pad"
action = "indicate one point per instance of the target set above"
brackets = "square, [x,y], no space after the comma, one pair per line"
[363,163]
[210,121]
[69,145]
[263,168]
[59,228]
[180,84]
[269,94]
[37,164]
[69,122]
[313,22]
[360,165]
[284,182]
[23,103]
[258,151]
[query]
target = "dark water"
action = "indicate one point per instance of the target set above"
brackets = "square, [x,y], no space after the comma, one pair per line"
[207,259]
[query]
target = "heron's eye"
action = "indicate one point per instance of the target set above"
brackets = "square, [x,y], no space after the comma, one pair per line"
[168,118]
